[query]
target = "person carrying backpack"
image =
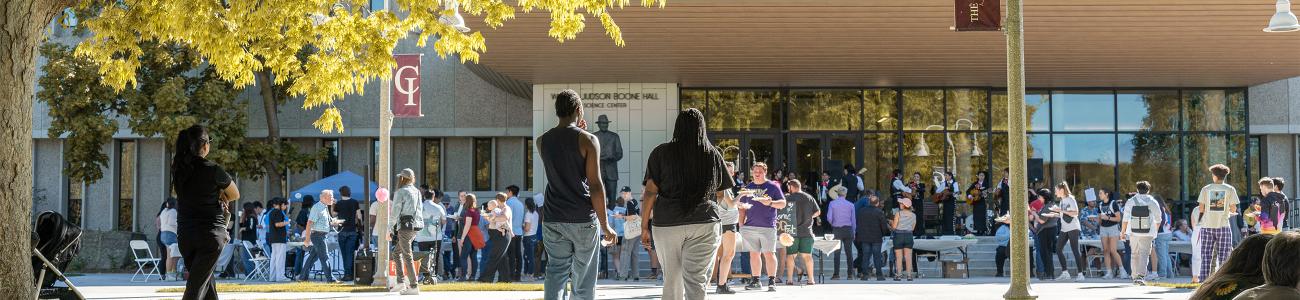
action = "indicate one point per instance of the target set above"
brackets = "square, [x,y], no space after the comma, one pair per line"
[1142,218]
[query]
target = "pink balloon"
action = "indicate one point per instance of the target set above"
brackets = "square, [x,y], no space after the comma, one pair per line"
[381,194]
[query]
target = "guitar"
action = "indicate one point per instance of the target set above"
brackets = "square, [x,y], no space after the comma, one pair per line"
[974,195]
[938,198]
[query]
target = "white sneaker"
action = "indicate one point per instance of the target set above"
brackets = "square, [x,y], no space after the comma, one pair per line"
[1079,277]
[1153,278]
[1065,275]
[410,291]
[398,288]
[1108,275]
[1123,274]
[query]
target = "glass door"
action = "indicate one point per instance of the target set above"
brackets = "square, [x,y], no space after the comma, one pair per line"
[812,154]
[744,149]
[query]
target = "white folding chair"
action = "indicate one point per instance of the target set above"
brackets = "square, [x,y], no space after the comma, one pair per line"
[261,264]
[143,261]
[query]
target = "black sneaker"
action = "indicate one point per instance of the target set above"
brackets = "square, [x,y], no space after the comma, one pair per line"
[753,285]
[725,290]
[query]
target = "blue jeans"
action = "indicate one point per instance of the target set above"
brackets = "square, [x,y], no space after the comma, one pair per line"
[871,256]
[571,255]
[1166,268]
[348,243]
[530,257]
[317,253]
[743,259]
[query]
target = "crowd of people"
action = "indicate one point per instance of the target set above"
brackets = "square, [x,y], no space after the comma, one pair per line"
[697,217]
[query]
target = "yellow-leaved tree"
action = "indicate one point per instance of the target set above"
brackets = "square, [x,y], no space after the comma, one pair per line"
[346,46]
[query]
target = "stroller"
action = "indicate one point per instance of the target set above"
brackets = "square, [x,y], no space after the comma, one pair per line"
[55,243]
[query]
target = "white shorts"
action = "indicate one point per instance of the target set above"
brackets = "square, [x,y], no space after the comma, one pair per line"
[174,250]
[758,239]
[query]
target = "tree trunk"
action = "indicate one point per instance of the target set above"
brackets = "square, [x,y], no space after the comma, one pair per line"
[270,106]
[21,25]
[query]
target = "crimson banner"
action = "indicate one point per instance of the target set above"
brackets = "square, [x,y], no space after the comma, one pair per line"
[406,86]
[978,15]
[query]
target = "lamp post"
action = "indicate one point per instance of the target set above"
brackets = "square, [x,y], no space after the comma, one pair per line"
[1019,287]
[381,214]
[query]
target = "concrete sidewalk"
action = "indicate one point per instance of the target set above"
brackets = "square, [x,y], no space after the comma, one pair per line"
[119,287]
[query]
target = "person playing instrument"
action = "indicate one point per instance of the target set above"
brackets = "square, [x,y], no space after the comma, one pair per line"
[950,186]
[918,185]
[975,197]
[897,189]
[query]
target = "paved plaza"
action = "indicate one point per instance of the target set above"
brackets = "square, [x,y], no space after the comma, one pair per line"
[118,287]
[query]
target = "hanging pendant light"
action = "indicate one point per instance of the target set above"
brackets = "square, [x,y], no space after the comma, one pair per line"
[975,147]
[922,150]
[1283,20]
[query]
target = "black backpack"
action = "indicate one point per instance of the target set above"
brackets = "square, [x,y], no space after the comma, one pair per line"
[1140,219]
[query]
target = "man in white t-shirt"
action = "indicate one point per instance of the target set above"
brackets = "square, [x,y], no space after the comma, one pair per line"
[429,238]
[1218,203]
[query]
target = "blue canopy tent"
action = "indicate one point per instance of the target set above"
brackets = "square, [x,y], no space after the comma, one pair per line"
[352,180]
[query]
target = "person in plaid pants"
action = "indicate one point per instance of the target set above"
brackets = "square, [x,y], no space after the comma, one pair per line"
[1217,203]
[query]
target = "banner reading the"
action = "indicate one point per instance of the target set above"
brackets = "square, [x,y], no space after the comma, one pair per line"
[978,15]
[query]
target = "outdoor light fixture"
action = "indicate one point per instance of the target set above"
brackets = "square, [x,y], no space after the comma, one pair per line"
[1283,20]
[455,20]
[924,150]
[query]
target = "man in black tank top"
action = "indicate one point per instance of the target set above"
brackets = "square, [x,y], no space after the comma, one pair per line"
[574,196]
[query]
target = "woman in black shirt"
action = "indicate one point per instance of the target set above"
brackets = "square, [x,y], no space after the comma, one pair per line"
[684,179]
[203,190]
[1047,225]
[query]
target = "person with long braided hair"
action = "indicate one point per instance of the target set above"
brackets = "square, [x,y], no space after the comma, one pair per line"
[203,190]
[685,180]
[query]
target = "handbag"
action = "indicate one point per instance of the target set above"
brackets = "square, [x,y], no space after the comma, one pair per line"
[476,238]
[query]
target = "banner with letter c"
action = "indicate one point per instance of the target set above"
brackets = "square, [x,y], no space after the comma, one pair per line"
[406,86]
[978,15]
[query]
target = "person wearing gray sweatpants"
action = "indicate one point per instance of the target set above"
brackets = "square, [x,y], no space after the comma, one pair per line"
[685,178]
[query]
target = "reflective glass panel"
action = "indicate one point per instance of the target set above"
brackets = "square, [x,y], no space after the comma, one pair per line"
[1205,110]
[922,109]
[1147,111]
[881,111]
[967,109]
[1149,157]
[825,110]
[693,99]
[1036,108]
[744,110]
[1083,111]
[1200,151]
[1084,161]
[880,157]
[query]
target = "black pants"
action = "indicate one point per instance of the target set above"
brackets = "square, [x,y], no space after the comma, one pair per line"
[846,247]
[201,251]
[1046,240]
[918,206]
[1003,254]
[317,253]
[949,219]
[515,255]
[433,262]
[496,260]
[1071,237]
[981,218]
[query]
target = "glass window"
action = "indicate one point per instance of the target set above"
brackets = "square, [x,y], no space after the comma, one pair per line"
[432,159]
[968,109]
[825,110]
[1147,111]
[880,157]
[528,164]
[844,149]
[922,109]
[374,159]
[1084,161]
[968,153]
[881,111]
[933,158]
[1036,108]
[483,164]
[76,192]
[807,160]
[1083,111]
[694,99]
[330,165]
[1237,110]
[1149,157]
[1200,151]
[1038,147]
[1205,110]
[1255,162]
[744,110]
[126,185]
